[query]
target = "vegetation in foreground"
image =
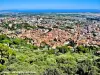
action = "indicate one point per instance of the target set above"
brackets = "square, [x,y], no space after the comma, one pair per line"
[18,55]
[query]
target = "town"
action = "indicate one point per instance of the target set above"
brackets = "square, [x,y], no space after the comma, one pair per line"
[55,29]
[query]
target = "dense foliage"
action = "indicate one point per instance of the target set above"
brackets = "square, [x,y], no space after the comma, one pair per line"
[17,26]
[18,55]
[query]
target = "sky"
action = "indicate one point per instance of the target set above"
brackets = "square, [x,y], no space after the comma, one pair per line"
[49,4]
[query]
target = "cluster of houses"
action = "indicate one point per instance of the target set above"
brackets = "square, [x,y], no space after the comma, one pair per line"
[77,29]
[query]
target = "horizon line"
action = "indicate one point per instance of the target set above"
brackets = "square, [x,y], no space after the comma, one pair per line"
[49,9]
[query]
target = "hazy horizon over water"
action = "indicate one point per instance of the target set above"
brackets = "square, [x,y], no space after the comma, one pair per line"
[53,10]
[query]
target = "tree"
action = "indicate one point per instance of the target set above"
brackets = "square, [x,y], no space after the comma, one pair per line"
[51,72]
[67,63]
[82,49]
[2,67]
[44,44]
[7,41]
[63,49]
[5,53]
[2,37]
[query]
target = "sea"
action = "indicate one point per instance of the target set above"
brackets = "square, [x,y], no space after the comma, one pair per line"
[54,11]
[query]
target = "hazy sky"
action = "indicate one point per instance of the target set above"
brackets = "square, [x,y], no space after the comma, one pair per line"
[49,4]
